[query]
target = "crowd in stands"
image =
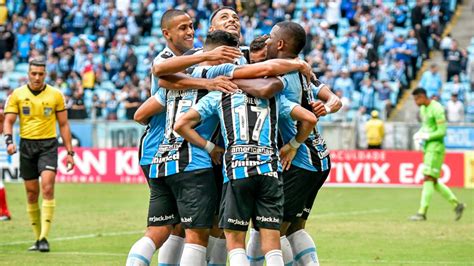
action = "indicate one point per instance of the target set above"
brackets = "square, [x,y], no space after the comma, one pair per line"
[99,52]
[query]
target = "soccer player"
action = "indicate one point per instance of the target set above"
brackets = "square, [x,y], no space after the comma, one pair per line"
[4,213]
[431,138]
[39,106]
[258,49]
[311,165]
[178,31]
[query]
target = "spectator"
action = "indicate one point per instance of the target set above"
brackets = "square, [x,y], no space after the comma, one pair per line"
[97,106]
[346,105]
[120,79]
[458,88]
[385,92]
[397,73]
[3,81]
[328,78]
[455,109]
[375,131]
[333,14]
[358,69]
[344,84]
[417,14]
[7,64]
[400,13]
[431,81]
[455,58]
[132,102]
[368,95]
[23,44]
[78,109]
[112,106]
[445,45]
[130,64]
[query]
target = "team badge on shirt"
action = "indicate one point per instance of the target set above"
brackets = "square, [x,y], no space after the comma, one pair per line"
[25,110]
[47,111]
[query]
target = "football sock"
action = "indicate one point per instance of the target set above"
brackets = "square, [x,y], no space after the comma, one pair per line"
[446,193]
[304,249]
[286,251]
[170,252]
[426,195]
[141,252]
[210,246]
[34,215]
[3,201]
[218,257]
[47,213]
[254,249]
[274,258]
[237,257]
[193,254]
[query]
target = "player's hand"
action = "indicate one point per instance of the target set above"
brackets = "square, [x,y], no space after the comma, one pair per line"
[70,162]
[318,108]
[11,149]
[222,84]
[216,154]
[287,153]
[227,53]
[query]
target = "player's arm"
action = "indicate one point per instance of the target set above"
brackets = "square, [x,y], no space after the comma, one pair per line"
[65,132]
[10,119]
[273,67]
[181,81]
[149,108]
[329,103]
[185,127]
[264,88]
[180,63]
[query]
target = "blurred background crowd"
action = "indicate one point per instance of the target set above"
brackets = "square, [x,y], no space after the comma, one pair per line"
[99,52]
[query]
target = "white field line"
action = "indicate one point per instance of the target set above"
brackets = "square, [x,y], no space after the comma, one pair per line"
[76,237]
[348,213]
[109,254]
[398,262]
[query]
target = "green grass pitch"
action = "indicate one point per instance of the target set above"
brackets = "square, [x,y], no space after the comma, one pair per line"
[97,224]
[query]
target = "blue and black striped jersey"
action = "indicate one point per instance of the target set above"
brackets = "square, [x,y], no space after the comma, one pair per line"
[153,134]
[249,127]
[313,154]
[175,154]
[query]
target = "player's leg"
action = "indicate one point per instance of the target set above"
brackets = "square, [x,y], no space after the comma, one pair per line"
[171,251]
[30,174]
[196,194]
[237,206]
[254,248]
[162,215]
[269,215]
[216,248]
[302,244]
[4,213]
[444,190]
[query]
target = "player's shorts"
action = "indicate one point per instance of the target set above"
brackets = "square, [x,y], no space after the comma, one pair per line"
[433,161]
[163,209]
[196,197]
[37,156]
[219,179]
[259,198]
[314,192]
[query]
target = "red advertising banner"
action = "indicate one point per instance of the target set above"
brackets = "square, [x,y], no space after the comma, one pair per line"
[390,168]
[349,168]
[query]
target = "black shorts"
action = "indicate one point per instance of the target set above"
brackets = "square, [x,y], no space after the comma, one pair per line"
[146,172]
[37,156]
[187,198]
[219,178]
[314,192]
[259,198]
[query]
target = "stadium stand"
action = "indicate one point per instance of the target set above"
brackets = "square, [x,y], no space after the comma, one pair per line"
[100,48]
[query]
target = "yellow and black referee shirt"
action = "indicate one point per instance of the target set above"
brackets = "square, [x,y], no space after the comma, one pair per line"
[37,112]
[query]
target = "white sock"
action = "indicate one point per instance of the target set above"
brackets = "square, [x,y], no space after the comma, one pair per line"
[141,252]
[274,258]
[237,257]
[170,252]
[210,246]
[218,257]
[193,254]
[254,249]
[304,249]
[286,251]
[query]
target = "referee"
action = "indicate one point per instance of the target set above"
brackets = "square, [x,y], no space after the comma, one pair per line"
[39,105]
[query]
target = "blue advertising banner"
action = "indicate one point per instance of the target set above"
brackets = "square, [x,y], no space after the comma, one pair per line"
[460,137]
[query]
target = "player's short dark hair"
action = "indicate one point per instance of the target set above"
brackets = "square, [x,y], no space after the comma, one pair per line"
[170,14]
[220,37]
[218,10]
[39,61]
[419,91]
[259,43]
[294,34]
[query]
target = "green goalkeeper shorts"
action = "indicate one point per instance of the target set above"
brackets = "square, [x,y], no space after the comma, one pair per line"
[432,163]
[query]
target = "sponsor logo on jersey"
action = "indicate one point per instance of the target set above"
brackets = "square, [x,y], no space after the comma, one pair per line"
[251,149]
[237,222]
[161,218]
[169,147]
[158,160]
[267,219]
[238,163]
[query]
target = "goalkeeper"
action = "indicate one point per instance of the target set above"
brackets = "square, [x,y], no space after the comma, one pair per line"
[431,139]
